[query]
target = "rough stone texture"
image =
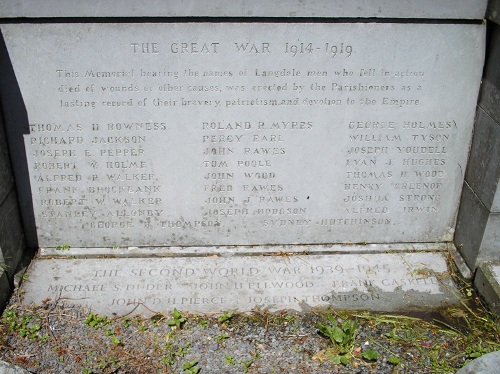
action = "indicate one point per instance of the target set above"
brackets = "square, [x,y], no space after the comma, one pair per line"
[388,282]
[471,225]
[12,242]
[468,9]
[487,364]
[490,118]
[493,11]
[489,96]
[460,263]
[8,368]
[6,178]
[174,165]
[495,207]
[478,225]
[483,170]
[490,245]
[487,282]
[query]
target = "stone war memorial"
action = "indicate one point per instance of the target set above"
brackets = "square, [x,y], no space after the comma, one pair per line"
[235,155]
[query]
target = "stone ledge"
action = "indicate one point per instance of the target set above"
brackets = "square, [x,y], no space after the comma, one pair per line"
[487,282]
[322,249]
[445,9]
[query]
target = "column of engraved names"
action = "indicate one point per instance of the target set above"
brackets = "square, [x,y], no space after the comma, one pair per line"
[222,143]
[392,163]
[242,173]
[405,156]
[275,202]
[369,169]
[124,188]
[367,161]
[56,151]
[423,157]
[111,186]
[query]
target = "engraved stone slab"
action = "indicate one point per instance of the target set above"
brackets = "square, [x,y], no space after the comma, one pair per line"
[387,282]
[246,134]
[457,9]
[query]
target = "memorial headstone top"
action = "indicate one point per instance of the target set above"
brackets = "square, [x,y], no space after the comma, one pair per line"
[433,9]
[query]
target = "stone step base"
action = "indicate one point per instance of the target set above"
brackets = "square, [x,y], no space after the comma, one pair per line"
[400,281]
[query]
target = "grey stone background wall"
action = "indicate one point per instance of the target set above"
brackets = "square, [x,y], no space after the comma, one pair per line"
[478,225]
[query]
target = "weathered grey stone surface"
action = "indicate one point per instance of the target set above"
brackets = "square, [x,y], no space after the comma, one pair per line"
[459,262]
[236,134]
[487,281]
[483,169]
[12,242]
[478,225]
[490,245]
[6,179]
[495,207]
[489,120]
[487,364]
[493,11]
[388,282]
[471,225]
[468,9]
[490,87]
[8,368]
